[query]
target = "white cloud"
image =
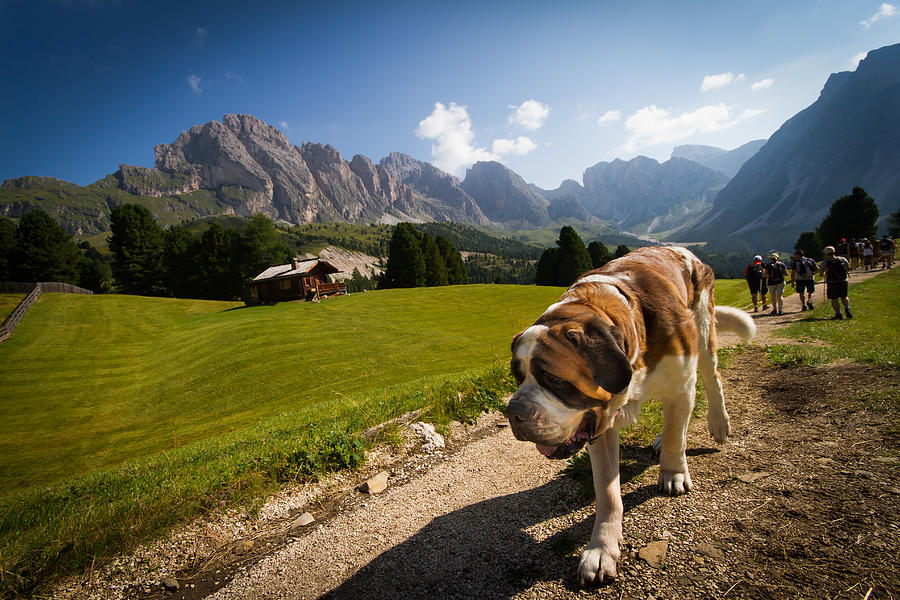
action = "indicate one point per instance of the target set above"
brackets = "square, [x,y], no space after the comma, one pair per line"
[714,82]
[201,34]
[854,62]
[749,113]
[235,77]
[609,117]
[451,128]
[885,11]
[762,84]
[520,145]
[283,125]
[529,115]
[652,125]
[194,81]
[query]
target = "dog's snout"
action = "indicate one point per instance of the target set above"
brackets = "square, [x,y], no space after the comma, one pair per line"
[520,412]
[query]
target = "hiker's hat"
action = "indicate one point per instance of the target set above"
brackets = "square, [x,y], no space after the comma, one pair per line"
[758,257]
[828,250]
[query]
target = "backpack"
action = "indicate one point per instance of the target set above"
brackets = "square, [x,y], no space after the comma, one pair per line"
[776,273]
[807,266]
[885,244]
[753,272]
[836,270]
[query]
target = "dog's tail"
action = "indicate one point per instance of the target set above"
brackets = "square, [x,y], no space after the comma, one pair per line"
[736,321]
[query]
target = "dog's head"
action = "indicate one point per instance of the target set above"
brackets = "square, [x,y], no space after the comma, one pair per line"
[572,371]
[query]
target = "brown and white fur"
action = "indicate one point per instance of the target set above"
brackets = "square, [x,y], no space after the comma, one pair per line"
[637,328]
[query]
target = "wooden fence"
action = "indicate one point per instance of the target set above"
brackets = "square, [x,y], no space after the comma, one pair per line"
[34,291]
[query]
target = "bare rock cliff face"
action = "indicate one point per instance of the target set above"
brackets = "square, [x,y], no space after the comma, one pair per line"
[449,201]
[253,167]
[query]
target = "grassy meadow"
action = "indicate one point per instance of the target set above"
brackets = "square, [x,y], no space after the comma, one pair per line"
[870,337]
[104,379]
[8,303]
[121,415]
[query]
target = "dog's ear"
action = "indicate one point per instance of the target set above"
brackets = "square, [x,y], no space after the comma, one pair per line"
[605,357]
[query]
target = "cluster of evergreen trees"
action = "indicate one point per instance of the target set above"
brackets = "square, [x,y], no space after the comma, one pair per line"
[562,265]
[39,249]
[218,265]
[417,259]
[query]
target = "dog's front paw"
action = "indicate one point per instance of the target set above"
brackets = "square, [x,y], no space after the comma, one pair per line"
[674,483]
[719,427]
[597,565]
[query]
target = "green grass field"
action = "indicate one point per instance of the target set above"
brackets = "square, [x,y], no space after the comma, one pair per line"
[8,303]
[870,337]
[104,379]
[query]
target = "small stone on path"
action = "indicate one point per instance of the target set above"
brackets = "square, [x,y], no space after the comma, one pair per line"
[710,551]
[303,520]
[376,484]
[171,584]
[654,553]
[752,477]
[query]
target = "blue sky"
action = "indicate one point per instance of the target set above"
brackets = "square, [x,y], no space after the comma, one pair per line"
[548,89]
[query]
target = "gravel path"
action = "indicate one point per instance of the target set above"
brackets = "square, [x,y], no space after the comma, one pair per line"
[802,502]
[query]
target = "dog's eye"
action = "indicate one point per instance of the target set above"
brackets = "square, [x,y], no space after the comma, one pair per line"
[553,379]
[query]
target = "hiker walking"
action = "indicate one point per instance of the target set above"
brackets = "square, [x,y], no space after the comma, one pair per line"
[803,272]
[868,255]
[887,246]
[836,269]
[774,273]
[753,273]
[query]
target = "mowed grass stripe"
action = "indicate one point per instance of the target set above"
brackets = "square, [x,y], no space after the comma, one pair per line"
[104,379]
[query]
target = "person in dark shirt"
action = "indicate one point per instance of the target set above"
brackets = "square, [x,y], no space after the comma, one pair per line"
[774,273]
[753,273]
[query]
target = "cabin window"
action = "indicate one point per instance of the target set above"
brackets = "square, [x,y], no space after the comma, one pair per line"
[284,284]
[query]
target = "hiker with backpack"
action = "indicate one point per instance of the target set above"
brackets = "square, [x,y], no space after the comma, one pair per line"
[803,273]
[887,246]
[753,273]
[868,254]
[774,273]
[836,269]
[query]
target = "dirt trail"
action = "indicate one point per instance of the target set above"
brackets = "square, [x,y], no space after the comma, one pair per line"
[802,502]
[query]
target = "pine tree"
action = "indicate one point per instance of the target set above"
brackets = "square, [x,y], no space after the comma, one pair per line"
[850,216]
[137,247]
[43,251]
[181,250]
[456,270]
[545,274]
[435,270]
[7,243]
[811,245]
[220,273]
[406,264]
[621,250]
[599,254]
[263,246]
[573,258]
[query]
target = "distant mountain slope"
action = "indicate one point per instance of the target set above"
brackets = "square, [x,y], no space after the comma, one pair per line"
[849,137]
[717,159]
[644,196]
[504,196]
[430,182]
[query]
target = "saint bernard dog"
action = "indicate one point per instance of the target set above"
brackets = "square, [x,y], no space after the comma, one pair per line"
[637,328]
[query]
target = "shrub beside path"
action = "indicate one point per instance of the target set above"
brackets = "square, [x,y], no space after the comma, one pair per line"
[801,502]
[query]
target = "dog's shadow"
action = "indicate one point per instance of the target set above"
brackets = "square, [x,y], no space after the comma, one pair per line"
[491,549]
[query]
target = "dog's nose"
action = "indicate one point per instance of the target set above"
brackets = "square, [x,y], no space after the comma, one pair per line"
[520,412]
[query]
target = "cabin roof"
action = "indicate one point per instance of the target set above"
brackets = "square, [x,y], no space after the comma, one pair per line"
[295,269]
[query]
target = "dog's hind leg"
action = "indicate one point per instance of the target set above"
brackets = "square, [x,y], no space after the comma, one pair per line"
[678,402]
[717,418]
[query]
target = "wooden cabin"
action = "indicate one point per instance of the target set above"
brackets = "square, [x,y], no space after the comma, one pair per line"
[297,280]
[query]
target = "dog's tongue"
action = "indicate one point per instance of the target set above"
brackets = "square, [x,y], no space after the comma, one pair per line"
[546,450]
